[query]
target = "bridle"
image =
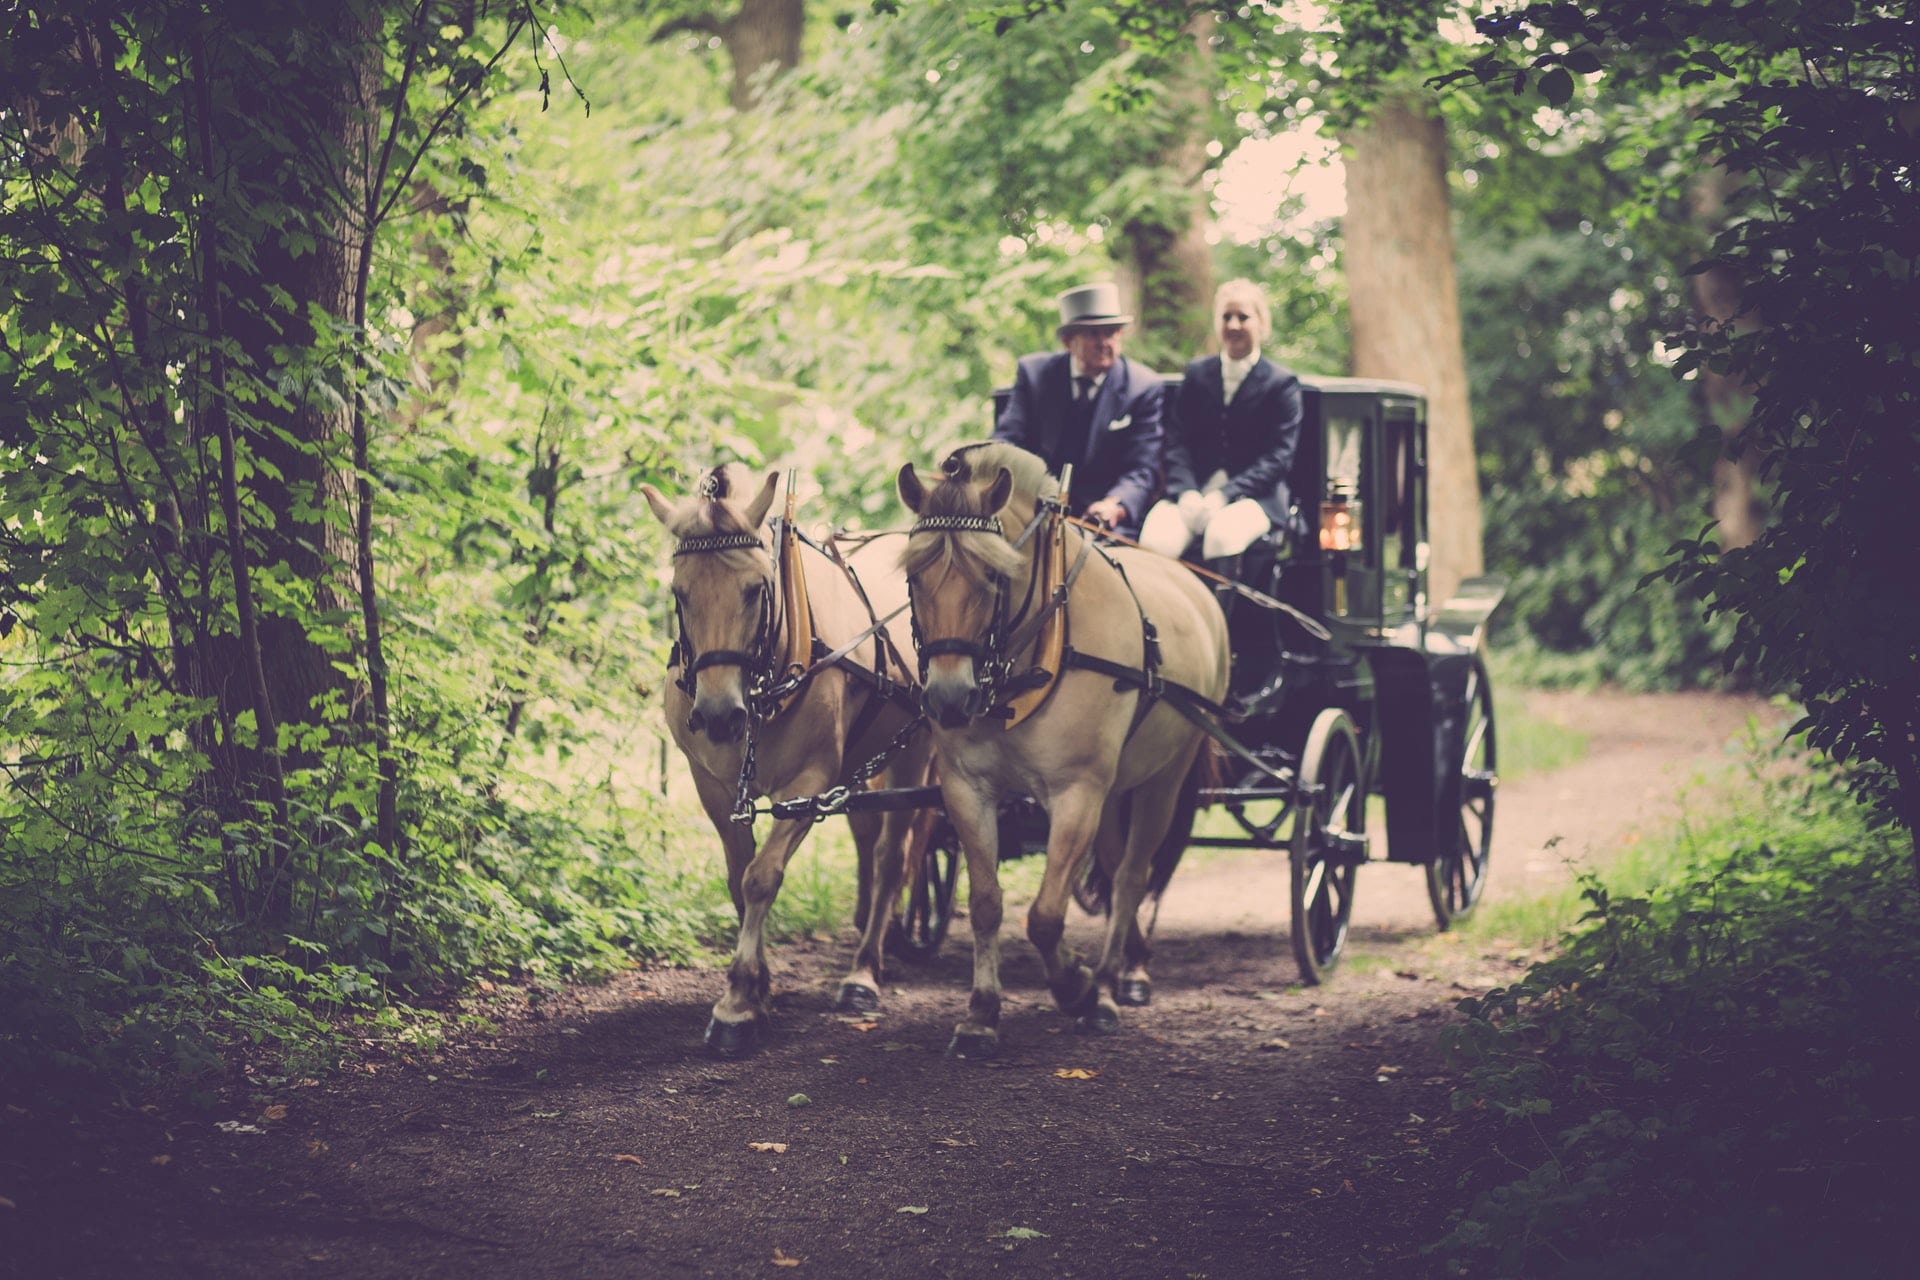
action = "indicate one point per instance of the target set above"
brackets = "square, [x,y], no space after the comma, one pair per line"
[1008,632]
[757,663]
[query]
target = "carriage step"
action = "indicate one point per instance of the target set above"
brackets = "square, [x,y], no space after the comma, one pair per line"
[1347,849]
[1478,784]
[1242,795]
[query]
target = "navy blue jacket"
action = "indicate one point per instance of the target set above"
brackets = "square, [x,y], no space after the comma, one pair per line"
[1119,457]
[1252,440]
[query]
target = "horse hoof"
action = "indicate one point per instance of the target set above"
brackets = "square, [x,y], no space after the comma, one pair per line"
[1101,1022]
[857,997]
[973,1046]
[1136,993]
[733,1039]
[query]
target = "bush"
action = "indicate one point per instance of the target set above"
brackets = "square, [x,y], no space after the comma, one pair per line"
[1719,1074]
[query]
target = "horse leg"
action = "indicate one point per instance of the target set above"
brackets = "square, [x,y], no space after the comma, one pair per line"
[734,1025]
[860,991]
[736,838]
[1135,988]
[1152,809]
[1074,819]
[976,820]
[866,834]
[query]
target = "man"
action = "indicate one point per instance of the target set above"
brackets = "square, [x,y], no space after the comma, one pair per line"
[1090,406]
[1238,426]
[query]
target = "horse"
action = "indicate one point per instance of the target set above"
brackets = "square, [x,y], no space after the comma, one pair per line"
[1102,744]
[784,677]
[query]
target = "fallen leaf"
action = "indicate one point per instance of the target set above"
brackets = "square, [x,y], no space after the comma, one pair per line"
[863,1026]
[307,1197]
[953,1142]
[276,1112]
[1384,1070]
[1411,975]
[1346,1184]
[161,1160]
[624,1158]
[670,1192]
[782,1260]
[234,1126]
[1075,1073]
[799,1100]
[778,1148]
[911,1208]
[1024,1233]
[1320,1011]
[861,1080]
[315,1148]
[1269,1046]
[829,1062]
[894,1046]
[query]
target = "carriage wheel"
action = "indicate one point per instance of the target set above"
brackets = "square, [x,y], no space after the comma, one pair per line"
[931,884]
[1457,876]
[1329,843]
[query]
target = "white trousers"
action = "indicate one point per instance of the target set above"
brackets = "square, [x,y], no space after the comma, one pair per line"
[1225,531]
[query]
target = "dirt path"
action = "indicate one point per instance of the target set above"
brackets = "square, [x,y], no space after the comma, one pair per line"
[1237,1128]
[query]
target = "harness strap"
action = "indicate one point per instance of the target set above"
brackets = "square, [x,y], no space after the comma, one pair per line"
[1203,712]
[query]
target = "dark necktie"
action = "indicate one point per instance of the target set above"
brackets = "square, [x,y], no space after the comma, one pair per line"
[1082,388]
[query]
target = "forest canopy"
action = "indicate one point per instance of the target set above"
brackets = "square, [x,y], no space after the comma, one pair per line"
[336,339]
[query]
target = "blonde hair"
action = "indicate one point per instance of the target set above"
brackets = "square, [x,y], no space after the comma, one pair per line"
[1249,292]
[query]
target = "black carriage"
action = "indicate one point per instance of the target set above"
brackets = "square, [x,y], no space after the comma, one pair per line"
[1356,687]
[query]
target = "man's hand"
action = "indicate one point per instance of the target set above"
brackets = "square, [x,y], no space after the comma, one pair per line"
[1108,511]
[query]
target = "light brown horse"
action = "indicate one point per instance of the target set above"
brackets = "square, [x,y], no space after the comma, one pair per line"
[1107,777]
[739,620]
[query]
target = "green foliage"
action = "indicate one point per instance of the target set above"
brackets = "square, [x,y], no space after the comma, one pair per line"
[1698,1056]
[1811,108]
[1593,460]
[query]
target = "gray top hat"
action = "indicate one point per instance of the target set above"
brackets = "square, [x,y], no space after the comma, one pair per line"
[1092,304]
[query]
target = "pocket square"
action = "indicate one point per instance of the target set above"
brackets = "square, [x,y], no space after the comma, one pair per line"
[1121,423]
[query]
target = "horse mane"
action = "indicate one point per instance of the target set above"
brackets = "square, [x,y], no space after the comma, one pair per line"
[965,474]
[709,510]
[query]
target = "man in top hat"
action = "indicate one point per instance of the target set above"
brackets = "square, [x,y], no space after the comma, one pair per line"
[1090,406]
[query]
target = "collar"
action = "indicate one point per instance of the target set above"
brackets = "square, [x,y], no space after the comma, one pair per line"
[1229,367]
[1099,379]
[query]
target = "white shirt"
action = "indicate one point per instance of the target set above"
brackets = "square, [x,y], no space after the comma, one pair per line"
[1080,372]
[1234,372]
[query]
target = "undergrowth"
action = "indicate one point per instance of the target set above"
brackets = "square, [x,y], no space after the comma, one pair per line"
[1714,1077]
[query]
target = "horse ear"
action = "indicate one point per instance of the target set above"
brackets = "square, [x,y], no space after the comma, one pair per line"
[762,501]
[662,509]
[912,492]
[998,492]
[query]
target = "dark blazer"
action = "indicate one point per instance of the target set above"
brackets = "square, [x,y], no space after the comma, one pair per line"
[1252,440]
[1120,454]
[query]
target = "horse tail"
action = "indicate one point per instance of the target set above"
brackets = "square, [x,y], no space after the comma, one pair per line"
[1095,892]
[1202,774]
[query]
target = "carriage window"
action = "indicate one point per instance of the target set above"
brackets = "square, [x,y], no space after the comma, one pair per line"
[1402,485]
[1341,528]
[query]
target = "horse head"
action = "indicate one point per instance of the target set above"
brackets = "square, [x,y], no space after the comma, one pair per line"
[723,592]
[965,571]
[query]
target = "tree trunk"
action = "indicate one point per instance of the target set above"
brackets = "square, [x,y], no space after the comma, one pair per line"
[1728,396]
[1167,264]
[291,103]
[763,32]
[1405,309]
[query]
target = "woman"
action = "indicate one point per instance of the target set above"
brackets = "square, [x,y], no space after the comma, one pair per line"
[1231,443]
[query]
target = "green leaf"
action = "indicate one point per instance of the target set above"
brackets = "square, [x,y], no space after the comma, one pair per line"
[1556,86]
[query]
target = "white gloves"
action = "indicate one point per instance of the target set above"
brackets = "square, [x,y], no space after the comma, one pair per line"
[1196,508]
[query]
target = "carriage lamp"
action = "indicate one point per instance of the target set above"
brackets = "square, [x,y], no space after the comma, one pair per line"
[1340,523]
